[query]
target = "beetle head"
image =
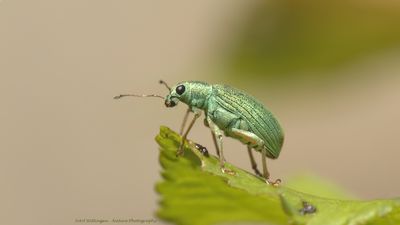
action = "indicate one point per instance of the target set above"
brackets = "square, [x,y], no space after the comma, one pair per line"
[176,94]
[192,93]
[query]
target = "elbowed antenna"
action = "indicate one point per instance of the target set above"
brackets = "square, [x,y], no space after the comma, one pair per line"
[166,85]
[133,95]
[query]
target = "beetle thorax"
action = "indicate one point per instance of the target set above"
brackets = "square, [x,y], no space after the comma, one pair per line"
[198,94]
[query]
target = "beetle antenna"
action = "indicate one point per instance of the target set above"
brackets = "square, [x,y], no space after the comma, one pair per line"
[166,85]
[133,95]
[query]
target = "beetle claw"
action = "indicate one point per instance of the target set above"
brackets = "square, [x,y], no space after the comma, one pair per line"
[179,152]
[275,183]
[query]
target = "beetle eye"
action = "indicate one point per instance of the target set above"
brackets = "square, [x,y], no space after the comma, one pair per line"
[180,89]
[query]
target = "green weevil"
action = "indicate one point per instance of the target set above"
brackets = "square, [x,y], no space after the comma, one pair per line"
[231,112]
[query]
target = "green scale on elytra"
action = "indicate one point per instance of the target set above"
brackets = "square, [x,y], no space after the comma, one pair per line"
[231,112]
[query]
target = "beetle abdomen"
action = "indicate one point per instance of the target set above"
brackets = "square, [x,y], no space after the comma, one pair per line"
[260,120]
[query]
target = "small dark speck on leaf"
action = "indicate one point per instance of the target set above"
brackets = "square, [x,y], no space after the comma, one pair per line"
[307,208]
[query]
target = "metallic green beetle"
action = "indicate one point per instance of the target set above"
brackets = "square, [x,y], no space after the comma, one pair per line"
[231,112]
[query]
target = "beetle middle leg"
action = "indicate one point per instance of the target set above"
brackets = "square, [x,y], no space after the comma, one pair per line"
[215,143]
[213,136]
[197,114]
[217,133]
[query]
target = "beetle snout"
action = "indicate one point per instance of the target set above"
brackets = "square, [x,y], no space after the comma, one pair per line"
[169,103]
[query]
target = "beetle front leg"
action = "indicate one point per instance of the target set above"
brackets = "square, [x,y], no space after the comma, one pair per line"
[197,114]
[184,121]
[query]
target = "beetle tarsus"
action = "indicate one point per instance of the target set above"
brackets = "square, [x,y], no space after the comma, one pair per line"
[227,171]
[275,183]
[179,153]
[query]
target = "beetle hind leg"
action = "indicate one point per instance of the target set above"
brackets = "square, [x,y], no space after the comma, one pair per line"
[265,169]
[253,141]
[253,162]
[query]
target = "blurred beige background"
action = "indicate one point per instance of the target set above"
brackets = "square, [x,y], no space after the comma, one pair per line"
[69,151]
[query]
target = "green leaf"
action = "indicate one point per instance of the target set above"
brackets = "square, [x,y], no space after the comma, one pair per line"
[194,190]
[312,184]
